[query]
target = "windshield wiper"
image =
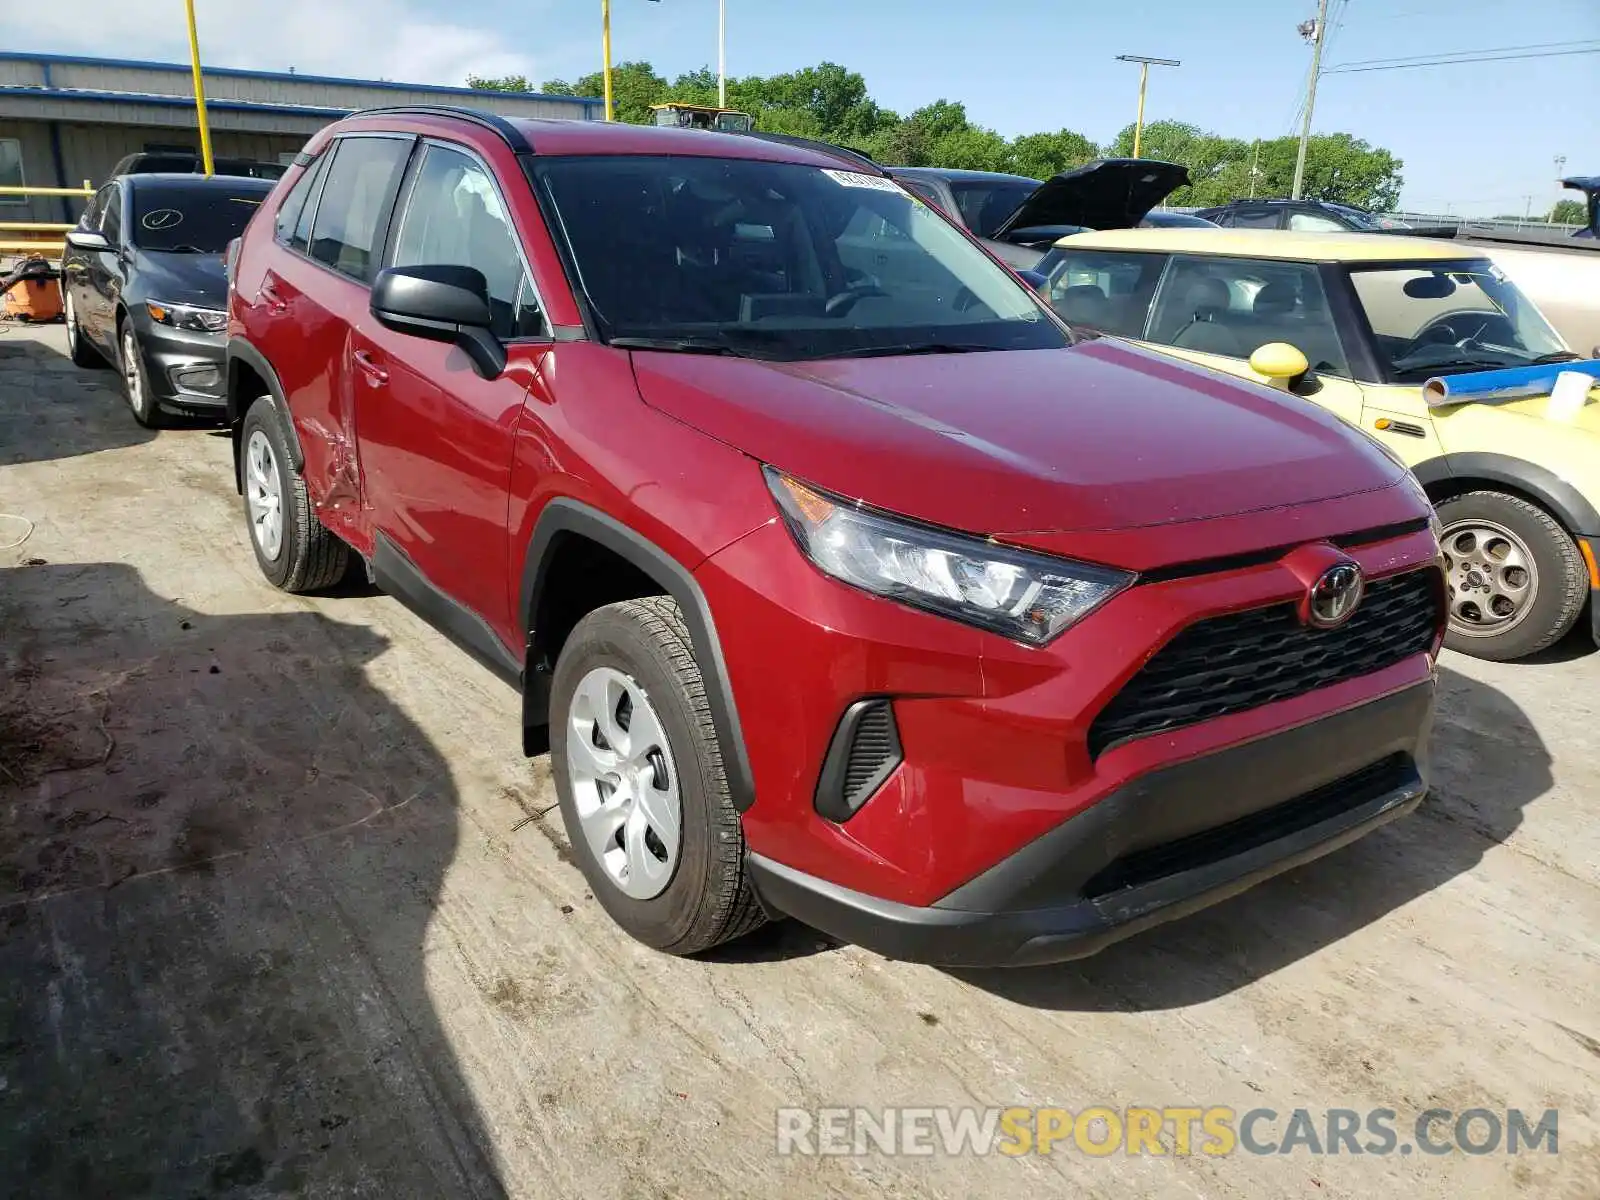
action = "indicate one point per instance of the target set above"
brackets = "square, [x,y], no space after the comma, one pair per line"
[1555,356]
[1454,364]
[678,345]
[895,351]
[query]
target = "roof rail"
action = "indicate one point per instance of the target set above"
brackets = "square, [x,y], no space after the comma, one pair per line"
[788,139]
[494,122]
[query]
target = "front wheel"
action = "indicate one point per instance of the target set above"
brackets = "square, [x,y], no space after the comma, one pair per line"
[296,551]
[1516,580]
[135,383]
[638,771]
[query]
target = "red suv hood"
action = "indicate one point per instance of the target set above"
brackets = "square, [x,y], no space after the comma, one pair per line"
[1104,436]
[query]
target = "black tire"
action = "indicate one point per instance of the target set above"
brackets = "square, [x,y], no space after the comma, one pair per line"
[1562,580]
[135,381]
[709,899]
[79,350]
[309,557]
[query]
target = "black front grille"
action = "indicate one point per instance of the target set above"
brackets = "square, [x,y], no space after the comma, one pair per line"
[1243,660]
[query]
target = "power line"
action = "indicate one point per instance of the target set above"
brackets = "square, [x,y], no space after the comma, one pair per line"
[1487,55]
[1366,62]
[1351,69]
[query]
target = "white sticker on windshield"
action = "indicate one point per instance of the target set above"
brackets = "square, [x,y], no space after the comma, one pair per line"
[855,179]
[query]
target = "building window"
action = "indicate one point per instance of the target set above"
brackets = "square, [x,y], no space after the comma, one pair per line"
[11,169]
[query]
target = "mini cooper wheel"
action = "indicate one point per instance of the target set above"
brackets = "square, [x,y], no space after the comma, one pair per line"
[78,349]
[638,771]
[135,383]
[1515,579]
[295,551]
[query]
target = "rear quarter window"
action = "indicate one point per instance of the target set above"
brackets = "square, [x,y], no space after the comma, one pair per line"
[363,177]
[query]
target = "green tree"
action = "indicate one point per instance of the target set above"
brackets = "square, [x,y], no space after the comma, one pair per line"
[832,103]
[507,83]
[1339,168]
[635,86]
[1042,155]
[1569,212]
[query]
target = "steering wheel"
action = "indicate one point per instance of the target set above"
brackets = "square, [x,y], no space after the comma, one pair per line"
[841,303]
[1446,333]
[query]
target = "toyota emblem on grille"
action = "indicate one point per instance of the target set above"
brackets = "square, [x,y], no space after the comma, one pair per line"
[1334,597]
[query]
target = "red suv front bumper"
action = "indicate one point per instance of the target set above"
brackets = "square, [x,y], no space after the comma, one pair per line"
[1018,824]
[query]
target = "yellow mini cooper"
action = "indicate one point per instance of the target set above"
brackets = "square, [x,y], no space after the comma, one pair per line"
[1427,347]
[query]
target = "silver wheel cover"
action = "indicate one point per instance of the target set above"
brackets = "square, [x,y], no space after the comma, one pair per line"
[624,783]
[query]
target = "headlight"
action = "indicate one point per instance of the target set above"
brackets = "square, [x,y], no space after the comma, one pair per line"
[1027,597]
[187,316]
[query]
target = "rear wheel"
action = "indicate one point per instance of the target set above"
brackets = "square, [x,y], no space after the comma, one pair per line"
[639,774]
[295,551]
[78,349]
[1516,579]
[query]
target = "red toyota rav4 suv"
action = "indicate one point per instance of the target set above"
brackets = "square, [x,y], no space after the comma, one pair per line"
[838,578]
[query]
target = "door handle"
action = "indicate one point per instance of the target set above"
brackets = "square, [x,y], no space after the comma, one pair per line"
[269,295]
[376,375]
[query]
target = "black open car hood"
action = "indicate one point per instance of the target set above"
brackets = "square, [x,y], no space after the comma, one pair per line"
[1109,193]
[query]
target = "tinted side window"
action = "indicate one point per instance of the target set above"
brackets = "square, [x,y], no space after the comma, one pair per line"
[361,183]
[300,239]
[93,210]
[1255,218]
[1102,290]
[454,215]
[111,222]
[289,211]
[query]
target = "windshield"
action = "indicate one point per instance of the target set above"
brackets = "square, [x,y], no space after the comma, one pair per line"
[777,260]
[186,219]
[1444,318]
[1361,220]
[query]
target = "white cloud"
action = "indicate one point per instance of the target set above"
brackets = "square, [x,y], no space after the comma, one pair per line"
[363,39]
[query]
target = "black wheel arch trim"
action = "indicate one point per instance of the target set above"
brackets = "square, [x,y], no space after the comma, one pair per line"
[1565,502]
[563,516]
[240,350]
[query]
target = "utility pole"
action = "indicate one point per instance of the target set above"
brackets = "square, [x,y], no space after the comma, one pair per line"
[199,92]
[1560,161]
[722,53]
[605,54]
[1255,163]
[1318,34]
[1144,78]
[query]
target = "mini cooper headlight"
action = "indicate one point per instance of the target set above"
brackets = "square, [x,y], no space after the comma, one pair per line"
[1024,596]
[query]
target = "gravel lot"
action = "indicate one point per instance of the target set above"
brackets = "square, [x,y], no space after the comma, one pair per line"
[284,912]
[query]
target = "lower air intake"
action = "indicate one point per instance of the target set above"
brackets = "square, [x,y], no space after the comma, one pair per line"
[864,752]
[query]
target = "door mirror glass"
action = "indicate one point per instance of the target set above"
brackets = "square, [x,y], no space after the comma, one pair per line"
[443,303]
[87,239]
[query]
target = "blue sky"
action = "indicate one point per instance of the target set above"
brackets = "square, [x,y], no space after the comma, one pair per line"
[1478,138]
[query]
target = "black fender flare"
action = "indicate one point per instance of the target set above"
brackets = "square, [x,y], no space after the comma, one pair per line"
[563,516]
[241,351]
[1564,502]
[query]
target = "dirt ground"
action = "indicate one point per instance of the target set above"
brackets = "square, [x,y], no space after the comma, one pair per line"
[284,913]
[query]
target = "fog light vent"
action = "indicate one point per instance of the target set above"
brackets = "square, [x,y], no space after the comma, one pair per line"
[864,752]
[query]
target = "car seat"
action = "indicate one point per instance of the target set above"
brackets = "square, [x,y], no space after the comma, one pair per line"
[1207,303]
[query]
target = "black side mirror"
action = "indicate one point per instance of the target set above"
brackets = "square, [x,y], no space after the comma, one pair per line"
[87,239]
[443,303]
